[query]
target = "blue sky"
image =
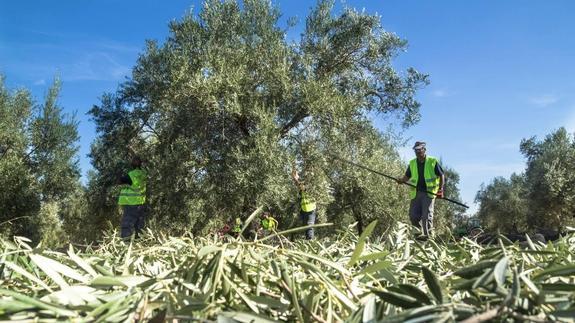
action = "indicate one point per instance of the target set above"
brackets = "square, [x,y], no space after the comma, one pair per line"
[500,70]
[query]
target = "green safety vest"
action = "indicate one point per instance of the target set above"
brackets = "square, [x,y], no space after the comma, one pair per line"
[307,203]
[134,194]
[269,223]
[238,227]
[431,180]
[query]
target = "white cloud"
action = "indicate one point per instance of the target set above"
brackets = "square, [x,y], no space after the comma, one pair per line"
[543,100]
[97,60]
[439,93]
[96,66]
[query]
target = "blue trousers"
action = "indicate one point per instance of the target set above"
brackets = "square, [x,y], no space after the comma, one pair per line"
[134,219]
[308,218]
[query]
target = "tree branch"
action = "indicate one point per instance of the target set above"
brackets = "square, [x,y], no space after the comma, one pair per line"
[483,317]
[297,118]
[5,151]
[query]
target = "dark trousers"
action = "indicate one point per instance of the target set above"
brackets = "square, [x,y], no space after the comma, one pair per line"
[421,212]
[308,218]
[134,218]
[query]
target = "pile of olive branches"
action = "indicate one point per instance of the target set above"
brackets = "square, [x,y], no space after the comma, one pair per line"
[339,278]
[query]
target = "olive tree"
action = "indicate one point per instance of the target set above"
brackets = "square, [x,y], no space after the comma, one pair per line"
[226,106]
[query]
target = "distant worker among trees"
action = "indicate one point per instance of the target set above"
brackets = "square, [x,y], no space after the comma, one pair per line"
[307,210]
[426,174]
[132,199]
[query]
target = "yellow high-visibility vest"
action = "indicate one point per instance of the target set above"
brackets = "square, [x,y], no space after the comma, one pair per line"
[134,194]
[431,180]
[307,203]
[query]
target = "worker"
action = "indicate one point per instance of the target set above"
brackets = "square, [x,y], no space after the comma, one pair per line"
[132,199]
[307,205]
[426,175]
[268,223]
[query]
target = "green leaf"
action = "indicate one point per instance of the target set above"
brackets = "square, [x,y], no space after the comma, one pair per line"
[529,283]
[243,317]
[369,314]
[373,256]
[103,270]
[433,284]
[26,274]
[397,299]
[388,275]
[322,260]
[250,303]
[270,302]
[475,270]
[378,266]
[566,315]
[127,281]
[414,292]
[250,218]
[206,250]
[558,287]
[500,271]
[484,279]
[74,296]
[516,287]
[38,304]
[425,318]
[81,262]
[65,270]
[556,271]
[8,306]
[361,243]
[46,266]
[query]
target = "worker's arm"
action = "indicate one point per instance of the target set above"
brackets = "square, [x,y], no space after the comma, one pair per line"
[441,185]
[405,177]
[439,172]
[296,180]
[124,180]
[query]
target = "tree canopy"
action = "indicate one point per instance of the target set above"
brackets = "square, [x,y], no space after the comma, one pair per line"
[38,164]
[225,106]
[540,199]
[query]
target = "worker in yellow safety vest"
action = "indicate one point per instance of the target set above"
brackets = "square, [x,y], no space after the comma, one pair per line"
[307,210]
[427,178]
[268,223]
[132,199]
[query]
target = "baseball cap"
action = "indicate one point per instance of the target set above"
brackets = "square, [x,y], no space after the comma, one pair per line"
[419,145]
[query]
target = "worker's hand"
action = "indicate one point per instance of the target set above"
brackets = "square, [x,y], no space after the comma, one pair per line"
[294,175]
[439,194]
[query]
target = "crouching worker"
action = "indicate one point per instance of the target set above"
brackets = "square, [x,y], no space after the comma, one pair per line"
[132,199]
[268,223]
[237,229]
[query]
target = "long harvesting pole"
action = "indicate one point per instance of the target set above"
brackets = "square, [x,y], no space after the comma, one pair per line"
[394,178]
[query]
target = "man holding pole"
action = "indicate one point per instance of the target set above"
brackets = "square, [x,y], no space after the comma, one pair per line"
[132,199]
[427,179]
[307,205]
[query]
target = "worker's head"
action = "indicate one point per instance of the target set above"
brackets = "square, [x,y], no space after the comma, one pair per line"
[136,162]
[419,149]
